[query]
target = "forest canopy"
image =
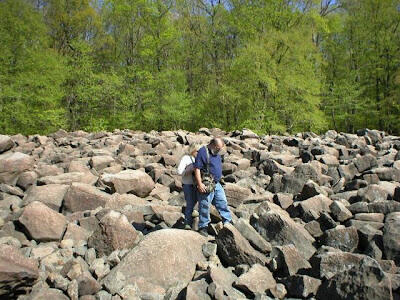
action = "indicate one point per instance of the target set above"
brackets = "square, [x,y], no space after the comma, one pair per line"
[273,66]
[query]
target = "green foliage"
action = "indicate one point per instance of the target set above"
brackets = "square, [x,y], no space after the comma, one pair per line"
[271,66]
[31,73]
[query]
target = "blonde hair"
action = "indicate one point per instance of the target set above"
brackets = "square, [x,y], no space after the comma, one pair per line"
[193,147]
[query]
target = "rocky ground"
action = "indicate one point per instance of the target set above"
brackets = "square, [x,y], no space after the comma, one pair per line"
[98,216]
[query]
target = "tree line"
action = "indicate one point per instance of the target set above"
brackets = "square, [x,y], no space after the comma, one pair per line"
[273,66]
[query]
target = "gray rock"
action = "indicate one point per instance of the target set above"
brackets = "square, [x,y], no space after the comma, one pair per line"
[339,211]
[234,249]
[311,189]
[391,237]
[301,286]
[289,260]
[209,249]
[255,239]
[365,280]
[345,238]
[279,229]
[221,284]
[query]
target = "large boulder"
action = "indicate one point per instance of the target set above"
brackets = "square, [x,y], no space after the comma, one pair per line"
[365,280]
[288,260]
[81,196]
[391,237]
[15,162]
[343,238]
[52,195]
[17,272]
[279,229]
[114,232]
[42,223]
[255,239]
[130,181]
[327,264]
[234,249]
[160,261]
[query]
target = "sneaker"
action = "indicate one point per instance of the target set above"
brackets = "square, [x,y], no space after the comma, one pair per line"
[187,227]
[195,214]
[203,232]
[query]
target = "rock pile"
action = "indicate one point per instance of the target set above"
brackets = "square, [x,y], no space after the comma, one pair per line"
[99,216]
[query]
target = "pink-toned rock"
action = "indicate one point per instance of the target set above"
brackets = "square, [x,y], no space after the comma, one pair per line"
[81,196]
[12,164]
[256,281]
[76,233]
[52,195]
[42,223]
[163,259]
[130,181]
[15,162]
[6,143]
[17,272]
[113,232]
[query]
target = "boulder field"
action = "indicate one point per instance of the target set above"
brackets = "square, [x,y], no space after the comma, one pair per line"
[100,216]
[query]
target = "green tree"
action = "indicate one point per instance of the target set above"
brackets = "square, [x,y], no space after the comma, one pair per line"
[31,74]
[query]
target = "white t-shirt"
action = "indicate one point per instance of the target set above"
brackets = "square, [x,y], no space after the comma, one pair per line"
[186,168]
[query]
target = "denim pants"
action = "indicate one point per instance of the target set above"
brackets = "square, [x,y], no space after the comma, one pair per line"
[218,199]
[190,193]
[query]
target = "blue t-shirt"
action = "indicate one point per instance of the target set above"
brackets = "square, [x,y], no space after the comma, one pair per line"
[215,163]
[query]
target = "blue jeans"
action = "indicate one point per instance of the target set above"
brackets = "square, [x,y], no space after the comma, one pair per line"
[191,198]
[217,198]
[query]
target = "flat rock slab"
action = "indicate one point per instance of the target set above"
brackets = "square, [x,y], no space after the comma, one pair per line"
[68,178]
